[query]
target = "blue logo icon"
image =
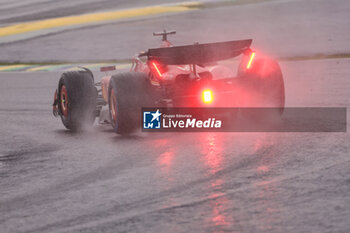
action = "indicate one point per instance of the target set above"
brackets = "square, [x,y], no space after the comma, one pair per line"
[151,120]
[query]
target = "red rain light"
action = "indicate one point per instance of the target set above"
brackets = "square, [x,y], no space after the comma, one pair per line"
[155,66]
[207,96]
[250,60]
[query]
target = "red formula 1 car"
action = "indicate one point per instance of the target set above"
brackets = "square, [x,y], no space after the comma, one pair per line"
[198,75]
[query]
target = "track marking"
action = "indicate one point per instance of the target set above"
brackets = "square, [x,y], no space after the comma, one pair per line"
[100,17]
[60,67]
[39,68]
[14,67]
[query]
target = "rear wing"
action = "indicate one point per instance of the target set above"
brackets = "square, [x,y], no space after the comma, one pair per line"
[199,53]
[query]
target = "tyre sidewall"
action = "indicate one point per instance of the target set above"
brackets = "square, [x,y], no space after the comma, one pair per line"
[132,91]
[81,99]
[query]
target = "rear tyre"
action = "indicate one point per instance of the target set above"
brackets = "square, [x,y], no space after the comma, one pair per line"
[77,100]
[263,87]
[127,94]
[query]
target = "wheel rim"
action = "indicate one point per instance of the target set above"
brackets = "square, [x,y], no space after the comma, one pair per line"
[64,100]
[113,108]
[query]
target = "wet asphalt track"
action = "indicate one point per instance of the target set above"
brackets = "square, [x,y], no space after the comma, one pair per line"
[55,181]
[14,11]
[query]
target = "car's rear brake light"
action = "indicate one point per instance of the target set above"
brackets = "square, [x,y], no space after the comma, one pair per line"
[156,67]
[207,96]
[249,64]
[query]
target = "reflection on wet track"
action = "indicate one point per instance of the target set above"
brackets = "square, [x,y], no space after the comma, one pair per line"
[213,156]
[214,172]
